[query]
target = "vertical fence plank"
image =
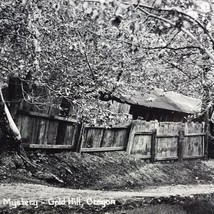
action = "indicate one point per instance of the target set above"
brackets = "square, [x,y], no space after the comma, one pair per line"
[52,132]
[75,135]
[61,133]
[180,145]
[102,137]
[69,134]
[108,138]
[46,131]
[83,138]
[40,131]
[120,137]
[153,145]
[35,133]
[204,129]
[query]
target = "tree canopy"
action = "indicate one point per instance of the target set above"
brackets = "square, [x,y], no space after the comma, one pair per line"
[87,51]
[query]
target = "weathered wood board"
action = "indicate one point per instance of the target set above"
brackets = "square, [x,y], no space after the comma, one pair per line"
[93,138]
[120,137]
[193,146]
[108,138]
[142,146]
[166,148]
[101,137]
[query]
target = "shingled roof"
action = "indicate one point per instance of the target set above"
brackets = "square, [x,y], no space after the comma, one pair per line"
[165,100]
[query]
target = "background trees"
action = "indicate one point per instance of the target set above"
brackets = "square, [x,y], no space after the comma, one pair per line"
[186,29]
[85,51]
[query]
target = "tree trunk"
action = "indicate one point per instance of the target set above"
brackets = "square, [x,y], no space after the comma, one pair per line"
[206,108]
[11,137]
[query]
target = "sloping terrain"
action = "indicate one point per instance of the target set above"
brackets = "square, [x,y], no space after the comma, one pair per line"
[108,171]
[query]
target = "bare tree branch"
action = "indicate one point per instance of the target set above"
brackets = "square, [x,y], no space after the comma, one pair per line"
[180,69]
[187,32]
[89,66]
[170,10]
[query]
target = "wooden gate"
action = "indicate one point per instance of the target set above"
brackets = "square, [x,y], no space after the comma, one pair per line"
[167,140]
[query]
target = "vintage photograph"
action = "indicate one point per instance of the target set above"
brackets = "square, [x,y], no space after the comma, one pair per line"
[107,106]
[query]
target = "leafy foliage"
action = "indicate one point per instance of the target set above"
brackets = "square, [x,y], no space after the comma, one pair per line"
[90,50]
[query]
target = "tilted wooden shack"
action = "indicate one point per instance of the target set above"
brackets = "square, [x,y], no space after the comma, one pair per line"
[160,105]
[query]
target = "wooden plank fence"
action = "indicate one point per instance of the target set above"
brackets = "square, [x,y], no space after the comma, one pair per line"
[166,140]
[152,140]
[104,139]
[47,132]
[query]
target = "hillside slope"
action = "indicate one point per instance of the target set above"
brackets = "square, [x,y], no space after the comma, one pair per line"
[108,171]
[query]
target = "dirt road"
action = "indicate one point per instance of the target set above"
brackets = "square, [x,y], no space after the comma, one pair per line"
[47,194]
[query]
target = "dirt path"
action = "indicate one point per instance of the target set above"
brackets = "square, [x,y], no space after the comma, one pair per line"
[46,194]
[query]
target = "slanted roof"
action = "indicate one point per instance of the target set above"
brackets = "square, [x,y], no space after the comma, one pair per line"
[165,100]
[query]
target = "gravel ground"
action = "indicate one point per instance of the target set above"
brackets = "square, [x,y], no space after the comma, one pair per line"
[43,193]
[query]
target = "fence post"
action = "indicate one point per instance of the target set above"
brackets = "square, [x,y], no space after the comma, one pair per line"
[206,145]
[153,145]
[79,141]
[130,138]
[102,138]
[180,145]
